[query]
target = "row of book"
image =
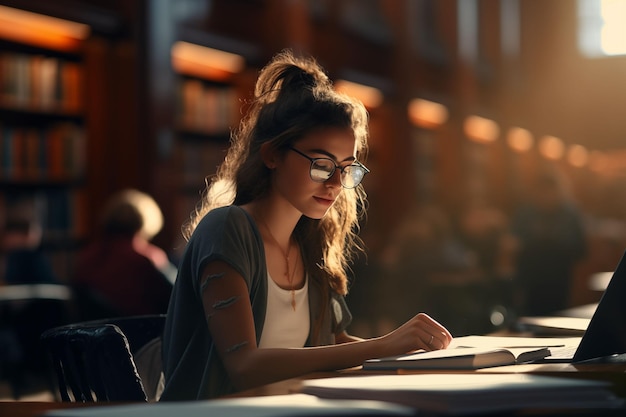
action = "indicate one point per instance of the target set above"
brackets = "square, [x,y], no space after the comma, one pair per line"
[59,212]
[198,160]
[206,108]
[39,82]
[53,153]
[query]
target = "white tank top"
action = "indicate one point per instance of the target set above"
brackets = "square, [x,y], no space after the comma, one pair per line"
[284,327]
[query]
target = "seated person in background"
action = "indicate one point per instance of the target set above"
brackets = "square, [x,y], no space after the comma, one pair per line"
[25,263]
[550,228]
[152,220]
[260,292]
[121,270]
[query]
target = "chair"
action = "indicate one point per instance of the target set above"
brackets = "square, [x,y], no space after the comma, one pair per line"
[94,361]
[26,310]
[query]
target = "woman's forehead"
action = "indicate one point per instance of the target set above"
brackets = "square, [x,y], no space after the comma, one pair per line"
[331,138]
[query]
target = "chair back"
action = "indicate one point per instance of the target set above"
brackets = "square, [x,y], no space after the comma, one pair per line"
[93,361]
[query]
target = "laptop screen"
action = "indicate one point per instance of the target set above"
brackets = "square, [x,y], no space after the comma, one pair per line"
[606,334]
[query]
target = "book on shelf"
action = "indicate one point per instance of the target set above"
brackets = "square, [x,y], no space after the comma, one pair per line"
[205,108]
[51,153]
[57,210]
[469,393]
[39,82]
[199,160]
[473,352]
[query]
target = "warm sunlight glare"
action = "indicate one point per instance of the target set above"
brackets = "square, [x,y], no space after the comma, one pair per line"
[520,139]
[41,30]
[613,36]
[371,97]
[201,61]
[427,114]
[481,129]
[577,156]
[552,147]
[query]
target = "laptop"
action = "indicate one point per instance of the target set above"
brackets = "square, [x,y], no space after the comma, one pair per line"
[605,336]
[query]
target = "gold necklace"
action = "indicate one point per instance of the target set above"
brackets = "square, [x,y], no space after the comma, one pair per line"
[286,256]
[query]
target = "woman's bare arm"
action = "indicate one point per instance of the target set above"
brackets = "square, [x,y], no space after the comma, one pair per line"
[230,321]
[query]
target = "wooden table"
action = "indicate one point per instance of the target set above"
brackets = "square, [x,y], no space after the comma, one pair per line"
[37,408]
[616,373]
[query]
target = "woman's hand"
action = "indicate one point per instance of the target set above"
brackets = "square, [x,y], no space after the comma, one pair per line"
[420,332]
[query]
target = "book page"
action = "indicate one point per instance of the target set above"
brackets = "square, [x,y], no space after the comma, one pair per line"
[512,342]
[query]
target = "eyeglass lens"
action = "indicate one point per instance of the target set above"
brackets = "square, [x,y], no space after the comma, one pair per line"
[322,169]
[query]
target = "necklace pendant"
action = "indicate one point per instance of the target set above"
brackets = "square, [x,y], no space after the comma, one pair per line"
[293,300]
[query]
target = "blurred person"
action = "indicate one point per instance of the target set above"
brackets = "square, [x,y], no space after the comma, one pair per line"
[423,252]
[121,270]
[260,292]
[552,240]
[486,231]
[487,234]
[11,354]
[25,260]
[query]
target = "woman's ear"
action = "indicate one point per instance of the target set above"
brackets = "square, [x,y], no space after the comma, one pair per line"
[269,155]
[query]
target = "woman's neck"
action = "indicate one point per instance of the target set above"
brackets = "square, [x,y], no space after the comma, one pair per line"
[276,223]
[280,219]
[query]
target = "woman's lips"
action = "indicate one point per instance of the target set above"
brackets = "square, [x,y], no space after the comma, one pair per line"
[324,201]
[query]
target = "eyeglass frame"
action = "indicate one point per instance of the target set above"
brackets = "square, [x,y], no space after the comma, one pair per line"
[354,163]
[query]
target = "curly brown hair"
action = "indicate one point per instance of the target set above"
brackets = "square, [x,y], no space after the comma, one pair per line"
[294,97]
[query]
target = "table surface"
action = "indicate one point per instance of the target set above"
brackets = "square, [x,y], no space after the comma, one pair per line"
[18,292]
[616,373]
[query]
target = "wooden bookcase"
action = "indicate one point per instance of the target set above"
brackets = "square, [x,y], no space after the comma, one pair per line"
[43,143]
[47,122]
[208,108]
[206,112]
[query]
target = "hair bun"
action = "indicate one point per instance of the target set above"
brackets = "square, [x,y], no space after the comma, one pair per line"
[286,74]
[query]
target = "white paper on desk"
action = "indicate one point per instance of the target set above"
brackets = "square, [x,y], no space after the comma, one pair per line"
[267,406]
[469,393]
[512,342]
[554,325]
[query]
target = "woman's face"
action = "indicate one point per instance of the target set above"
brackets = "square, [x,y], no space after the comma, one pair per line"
[293,180]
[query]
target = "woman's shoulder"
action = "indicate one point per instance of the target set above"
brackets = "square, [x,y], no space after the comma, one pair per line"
[226,233]
[227,219]
[226,214]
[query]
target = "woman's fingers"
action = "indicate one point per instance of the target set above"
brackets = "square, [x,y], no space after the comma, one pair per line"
[432,334]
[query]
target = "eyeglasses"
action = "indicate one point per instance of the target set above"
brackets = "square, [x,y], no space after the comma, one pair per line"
[322,169]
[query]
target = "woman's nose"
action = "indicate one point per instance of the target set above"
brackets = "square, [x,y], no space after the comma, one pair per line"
[335,179]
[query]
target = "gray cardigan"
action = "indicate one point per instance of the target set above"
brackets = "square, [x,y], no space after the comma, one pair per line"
[191,364]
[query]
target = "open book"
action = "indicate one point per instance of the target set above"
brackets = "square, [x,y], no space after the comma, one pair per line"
[473,352]
[459,358]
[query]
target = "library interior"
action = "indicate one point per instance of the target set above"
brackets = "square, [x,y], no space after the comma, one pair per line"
[496,151]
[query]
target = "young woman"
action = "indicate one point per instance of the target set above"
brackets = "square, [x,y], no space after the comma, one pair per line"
[259,293]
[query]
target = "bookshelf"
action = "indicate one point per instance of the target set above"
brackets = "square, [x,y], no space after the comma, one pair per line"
[40,115]
[43,142]
[208,108]
[204,120]
[205,108]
